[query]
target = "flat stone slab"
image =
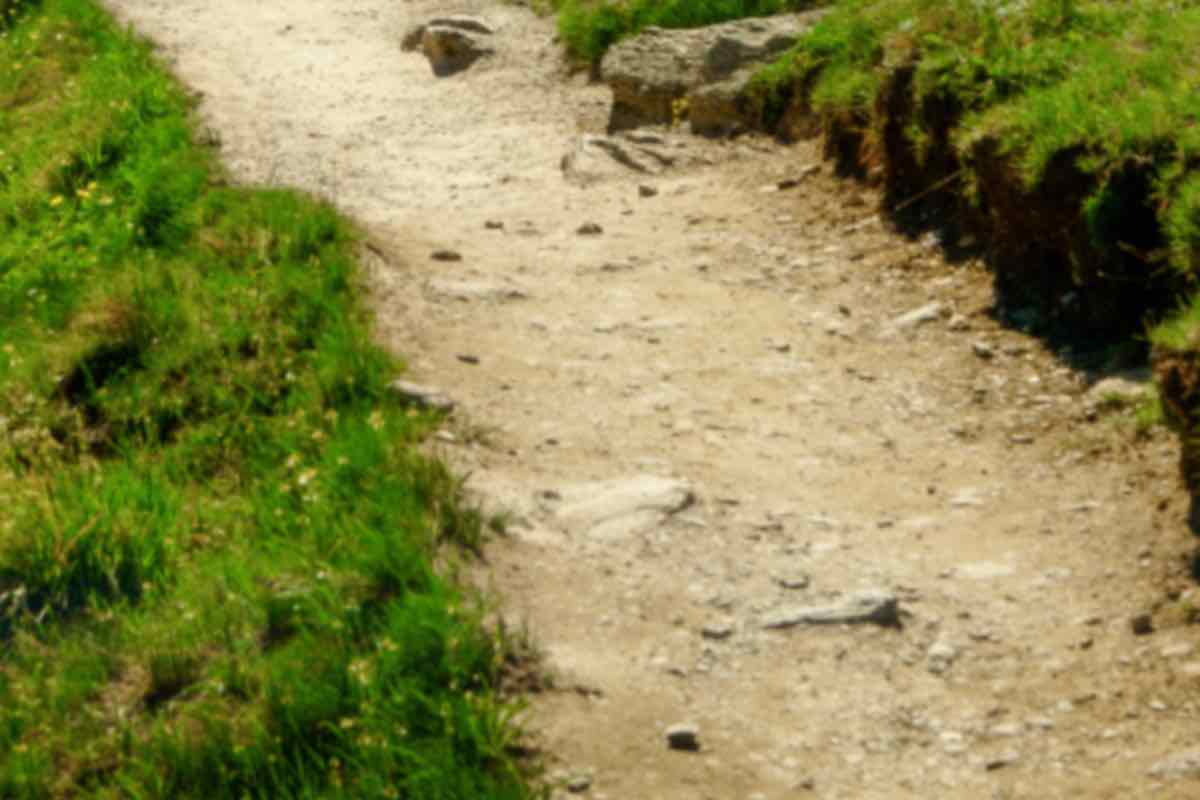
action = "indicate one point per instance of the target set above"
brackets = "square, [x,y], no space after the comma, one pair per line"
[475,290]
[617,509]
[984,570]
[930,312]
[427,396]
[868,607]
[1184,764]
[596,158]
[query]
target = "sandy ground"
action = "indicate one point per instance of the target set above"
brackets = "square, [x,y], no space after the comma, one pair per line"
[733,352]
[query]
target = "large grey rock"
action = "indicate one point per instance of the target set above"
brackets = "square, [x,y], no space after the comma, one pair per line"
[652,72]
[872,606]
[616,509]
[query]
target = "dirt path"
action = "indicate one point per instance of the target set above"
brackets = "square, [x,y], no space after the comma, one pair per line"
[730,356]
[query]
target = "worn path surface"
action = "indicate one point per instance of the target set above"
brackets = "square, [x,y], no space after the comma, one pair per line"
[705,419]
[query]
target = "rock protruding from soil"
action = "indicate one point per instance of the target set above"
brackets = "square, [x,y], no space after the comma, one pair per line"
[700,74]
[596,158]
[617,509]
[873,606]
[450,43]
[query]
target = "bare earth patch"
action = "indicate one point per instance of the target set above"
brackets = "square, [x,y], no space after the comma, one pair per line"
[707,403]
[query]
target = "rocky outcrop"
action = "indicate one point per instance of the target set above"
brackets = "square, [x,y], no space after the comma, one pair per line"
[698,75]
[450,43]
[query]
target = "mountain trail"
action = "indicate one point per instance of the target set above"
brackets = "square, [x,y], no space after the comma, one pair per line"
[779,484]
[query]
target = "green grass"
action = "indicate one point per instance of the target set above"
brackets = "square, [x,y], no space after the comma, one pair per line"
[590,27]
[216,563]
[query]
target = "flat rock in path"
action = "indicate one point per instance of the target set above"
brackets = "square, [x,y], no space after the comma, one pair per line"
[427,396]
[651,72]
[1184,764]
[929,312]
[873,606]
[597,158]
[984,570]
[475,290]
[616,509]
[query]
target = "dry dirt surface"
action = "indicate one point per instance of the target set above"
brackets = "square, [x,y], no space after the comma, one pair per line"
[709,416]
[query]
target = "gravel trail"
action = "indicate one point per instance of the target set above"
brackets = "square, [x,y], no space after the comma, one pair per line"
[709,409]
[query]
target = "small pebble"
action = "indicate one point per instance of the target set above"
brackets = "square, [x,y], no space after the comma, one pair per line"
[1142,625]
[579,783]
[683,737]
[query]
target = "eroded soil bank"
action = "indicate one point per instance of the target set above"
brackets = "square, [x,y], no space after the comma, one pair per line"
[712,409]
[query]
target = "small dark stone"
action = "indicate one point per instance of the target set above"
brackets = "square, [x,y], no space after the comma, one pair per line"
[1142,625]
[646,190]
[716,632]
[683,737]
[467,358]
[578,784]
[494,225]
[589,229]
[446,255]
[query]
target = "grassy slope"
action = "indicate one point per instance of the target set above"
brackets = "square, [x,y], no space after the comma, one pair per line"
[217,564]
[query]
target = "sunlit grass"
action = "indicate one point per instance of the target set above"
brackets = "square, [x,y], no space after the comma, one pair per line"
[216,559]
[590,27]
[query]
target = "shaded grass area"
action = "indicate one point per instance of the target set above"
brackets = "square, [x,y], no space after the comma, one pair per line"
[589,27]
[217,557]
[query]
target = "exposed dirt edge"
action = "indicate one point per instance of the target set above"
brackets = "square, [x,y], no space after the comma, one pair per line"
[1035,239]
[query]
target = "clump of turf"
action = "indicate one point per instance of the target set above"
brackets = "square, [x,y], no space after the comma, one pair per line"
[216,561]
[590,27]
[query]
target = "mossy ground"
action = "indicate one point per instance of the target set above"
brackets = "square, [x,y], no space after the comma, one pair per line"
[217,561]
